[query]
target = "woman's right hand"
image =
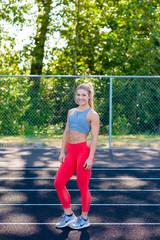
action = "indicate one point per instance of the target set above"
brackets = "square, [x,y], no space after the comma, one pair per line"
[62,157]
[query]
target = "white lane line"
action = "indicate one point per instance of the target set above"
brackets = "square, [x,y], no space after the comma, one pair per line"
[79,204]
[34,178]
[74,178]
[77,190]
[93,169]
[127,169]
[107,224]
[28,169]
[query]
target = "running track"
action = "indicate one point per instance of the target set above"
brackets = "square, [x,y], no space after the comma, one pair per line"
[125,189]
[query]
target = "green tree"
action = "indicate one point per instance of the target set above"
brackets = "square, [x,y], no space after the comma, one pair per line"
[14,103]
[114,37]
[12,18]
[135,105]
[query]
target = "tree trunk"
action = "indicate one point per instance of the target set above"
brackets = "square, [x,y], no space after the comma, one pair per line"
[33,113]
[42,29]
[76,39]
[75,50]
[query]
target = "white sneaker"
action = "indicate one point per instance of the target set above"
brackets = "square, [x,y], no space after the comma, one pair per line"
[80,223]
[66,221]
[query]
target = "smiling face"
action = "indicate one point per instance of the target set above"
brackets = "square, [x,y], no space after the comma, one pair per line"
[82,97]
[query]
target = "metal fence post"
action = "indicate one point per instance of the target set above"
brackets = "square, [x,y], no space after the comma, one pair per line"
[110,114]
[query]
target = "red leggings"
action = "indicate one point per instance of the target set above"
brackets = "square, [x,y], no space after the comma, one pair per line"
[77,154]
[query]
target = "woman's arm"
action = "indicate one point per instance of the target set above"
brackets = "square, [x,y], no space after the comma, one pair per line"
[94,137]
[64,142]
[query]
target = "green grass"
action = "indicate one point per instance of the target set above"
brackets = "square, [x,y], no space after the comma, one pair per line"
[136,141]
[103,141]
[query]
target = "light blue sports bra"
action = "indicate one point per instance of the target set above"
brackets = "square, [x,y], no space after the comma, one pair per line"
[78,121]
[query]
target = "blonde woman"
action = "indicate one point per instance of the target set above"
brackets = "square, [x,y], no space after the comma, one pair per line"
[80,156]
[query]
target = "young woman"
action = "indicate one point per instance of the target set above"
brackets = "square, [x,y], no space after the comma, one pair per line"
[79,157]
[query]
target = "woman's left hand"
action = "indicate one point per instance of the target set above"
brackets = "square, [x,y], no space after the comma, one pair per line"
[88,164]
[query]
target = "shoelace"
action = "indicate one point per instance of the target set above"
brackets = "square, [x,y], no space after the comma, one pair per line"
[78,220]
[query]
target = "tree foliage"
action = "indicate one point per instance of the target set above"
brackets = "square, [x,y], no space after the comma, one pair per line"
[108,37]
[115,37]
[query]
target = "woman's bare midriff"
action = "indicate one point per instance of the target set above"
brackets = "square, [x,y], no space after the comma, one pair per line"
[77,137]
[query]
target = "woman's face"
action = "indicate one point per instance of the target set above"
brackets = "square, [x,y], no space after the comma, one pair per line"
[82,97]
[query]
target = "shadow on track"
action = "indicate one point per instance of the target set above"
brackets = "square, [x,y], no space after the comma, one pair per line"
[84,235]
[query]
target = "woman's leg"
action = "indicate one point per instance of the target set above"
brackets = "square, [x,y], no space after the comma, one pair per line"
[64,173]
[83,177]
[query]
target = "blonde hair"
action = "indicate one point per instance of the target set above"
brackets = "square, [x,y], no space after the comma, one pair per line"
[89,88]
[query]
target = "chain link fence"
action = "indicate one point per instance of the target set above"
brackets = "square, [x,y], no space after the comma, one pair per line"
[38,105]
